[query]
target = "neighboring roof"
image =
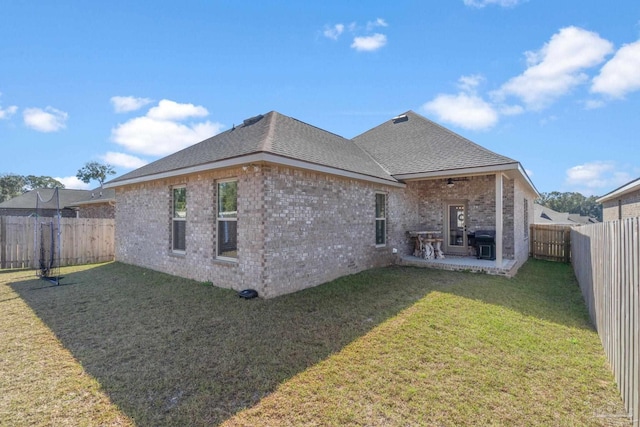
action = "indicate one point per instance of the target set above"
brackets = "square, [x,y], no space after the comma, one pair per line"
[412,144]
[28,199]
[545,215]
[277,136]
[621,191]
[582,219]
[97,195]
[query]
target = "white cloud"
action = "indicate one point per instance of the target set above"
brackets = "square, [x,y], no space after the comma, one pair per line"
[596,177]
[557,67]
[483,3]
[125,104]
[73,183]
[47,120]
[333,32]
[369,43]
[377,23]
[153,137]
[620,75]
[123,160]
[171,110]
[5,113]
[160,132]
[465,110]
[470,83]
[366,42]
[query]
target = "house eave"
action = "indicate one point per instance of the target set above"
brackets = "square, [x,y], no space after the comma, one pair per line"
[621,191]
[261,157]
[510,169]
[91,202]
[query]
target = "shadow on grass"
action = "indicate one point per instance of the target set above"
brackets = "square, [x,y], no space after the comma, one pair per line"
[171,351]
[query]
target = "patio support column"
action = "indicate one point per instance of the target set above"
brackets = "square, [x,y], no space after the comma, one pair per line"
[499,196]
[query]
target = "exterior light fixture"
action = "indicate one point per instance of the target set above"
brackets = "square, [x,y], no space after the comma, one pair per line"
[451,181]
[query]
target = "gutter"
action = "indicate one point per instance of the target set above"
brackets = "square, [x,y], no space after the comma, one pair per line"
[255,158]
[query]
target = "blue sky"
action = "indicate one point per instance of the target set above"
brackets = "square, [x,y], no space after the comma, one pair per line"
[555,85]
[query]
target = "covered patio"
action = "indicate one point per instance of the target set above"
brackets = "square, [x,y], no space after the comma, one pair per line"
[505,267]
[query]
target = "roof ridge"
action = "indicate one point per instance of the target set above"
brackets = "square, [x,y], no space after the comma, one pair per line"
[383,167]
[267,143]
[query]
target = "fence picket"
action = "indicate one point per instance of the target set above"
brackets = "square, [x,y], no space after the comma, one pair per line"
[82,240]
[550,242]
[605,260]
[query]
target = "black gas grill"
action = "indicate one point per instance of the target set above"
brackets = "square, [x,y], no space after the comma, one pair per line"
[485,243]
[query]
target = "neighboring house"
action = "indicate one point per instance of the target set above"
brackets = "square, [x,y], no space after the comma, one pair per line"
[278,205]
[100,203]
[545,215]
[25,204]
[623,202]
[97,203]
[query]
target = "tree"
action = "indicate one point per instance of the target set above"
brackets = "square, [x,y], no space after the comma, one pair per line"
[33,182]
[11,185]
[572,202]
[95,171]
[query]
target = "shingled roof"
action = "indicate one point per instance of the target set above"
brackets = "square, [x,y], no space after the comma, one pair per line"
[28,200]
[412,144]
[405,147]
[274,134]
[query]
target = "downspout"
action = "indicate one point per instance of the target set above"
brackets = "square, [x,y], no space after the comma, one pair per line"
[499,231]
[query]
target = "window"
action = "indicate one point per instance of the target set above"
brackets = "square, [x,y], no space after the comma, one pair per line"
[179,219]
[381,219]
[228,219]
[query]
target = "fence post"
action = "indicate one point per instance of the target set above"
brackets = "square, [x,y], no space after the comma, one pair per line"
[3,233]
[566,233]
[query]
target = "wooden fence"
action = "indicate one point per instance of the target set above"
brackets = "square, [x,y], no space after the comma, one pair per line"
[550,242]
[606,261]
[82,241]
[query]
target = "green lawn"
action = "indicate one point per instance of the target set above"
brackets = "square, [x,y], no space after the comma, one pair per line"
[121,345]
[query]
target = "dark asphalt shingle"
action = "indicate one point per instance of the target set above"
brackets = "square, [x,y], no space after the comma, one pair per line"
[411,144]
[414,144]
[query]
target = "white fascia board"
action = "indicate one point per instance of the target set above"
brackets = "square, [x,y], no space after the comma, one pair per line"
[627,188]
[507,168]
[525,176]
[254,158]
[482,170]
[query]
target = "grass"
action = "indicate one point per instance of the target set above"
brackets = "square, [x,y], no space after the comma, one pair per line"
[121,345]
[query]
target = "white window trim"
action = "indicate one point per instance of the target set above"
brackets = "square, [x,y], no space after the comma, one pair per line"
[383,218]
[173,219]
[220,257]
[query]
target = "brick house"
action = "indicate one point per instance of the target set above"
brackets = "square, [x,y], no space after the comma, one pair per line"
[278,205]
[623,202]
[99,203]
